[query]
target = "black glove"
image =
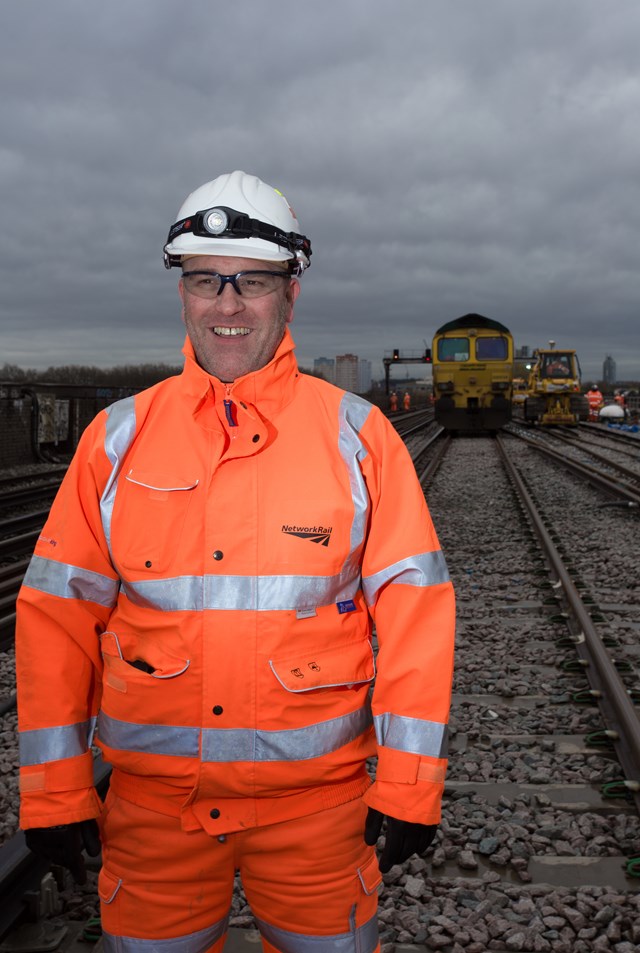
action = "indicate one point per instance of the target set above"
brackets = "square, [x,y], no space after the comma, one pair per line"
[63,845]
[402,838]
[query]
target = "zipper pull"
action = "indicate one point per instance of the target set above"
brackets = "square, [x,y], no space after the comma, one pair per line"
[230,413]
[230,408]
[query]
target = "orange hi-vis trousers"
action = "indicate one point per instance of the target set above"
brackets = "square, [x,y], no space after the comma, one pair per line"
[311,883]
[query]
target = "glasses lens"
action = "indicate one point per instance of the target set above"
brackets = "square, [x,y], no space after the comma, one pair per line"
[202,284]
[255,284]
[250,284]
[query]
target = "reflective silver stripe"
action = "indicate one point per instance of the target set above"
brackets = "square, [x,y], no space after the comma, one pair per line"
[41,745]
[121,429]
[415,735]
[257,593]
[353,414]
[154,739]
[71,582]
[363,939]
[425,569]
[239,744]
[198,942]
[295,744]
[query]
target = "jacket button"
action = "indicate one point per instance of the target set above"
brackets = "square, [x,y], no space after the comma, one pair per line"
[215,813]
[218,554]
[217,709]
[256,437]
[148,564]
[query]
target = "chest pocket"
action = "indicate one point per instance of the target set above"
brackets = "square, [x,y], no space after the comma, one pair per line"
[344,666]
[149,516]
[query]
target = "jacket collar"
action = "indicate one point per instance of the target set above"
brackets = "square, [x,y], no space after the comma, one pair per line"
[269,389]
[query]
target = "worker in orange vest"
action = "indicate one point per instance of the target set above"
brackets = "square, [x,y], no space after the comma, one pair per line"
[201,605]
[406,400]
[620,399]
[393,402]
[596,401]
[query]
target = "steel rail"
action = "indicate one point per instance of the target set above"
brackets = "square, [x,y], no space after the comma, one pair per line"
[7,631]
[615,488]
[15,480]
[23,522]
[21,872]
[19,496]
[426,473]
[597,430]
[575,444]
[415,423]
[608,689]
[19,545]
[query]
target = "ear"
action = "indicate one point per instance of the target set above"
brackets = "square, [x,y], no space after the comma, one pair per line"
[292,294]
[181,293]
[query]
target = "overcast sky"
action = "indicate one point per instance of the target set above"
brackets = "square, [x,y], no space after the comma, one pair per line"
[443,156]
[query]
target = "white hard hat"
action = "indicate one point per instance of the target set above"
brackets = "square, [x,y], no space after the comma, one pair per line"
[239,216]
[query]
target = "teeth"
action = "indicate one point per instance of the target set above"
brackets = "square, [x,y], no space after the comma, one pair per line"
[231,332]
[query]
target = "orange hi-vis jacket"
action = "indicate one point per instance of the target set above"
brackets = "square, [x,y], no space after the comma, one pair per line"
[200,605]
[595,398]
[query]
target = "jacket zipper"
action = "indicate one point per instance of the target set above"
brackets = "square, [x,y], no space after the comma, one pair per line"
[230,408]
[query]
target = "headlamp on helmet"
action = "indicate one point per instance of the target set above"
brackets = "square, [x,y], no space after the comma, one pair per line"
[215,221]
[221,222]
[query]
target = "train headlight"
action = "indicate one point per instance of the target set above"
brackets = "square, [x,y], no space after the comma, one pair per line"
[445,385]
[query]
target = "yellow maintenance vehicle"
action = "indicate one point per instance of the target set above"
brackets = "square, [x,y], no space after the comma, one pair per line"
[553,389]
[519,393]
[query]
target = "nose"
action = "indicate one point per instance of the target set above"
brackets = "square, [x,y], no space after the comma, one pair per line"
[228,300]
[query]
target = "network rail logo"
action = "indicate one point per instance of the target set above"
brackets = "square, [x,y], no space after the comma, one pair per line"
[316,534]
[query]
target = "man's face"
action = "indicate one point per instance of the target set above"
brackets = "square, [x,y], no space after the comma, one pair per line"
[257,325]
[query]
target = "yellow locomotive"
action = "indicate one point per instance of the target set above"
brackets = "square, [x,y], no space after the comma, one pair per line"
[554,391]
[472,373]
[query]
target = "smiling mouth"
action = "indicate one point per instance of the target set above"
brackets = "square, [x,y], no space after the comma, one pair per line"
[231,332]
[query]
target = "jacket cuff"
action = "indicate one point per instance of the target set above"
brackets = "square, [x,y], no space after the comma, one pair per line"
[407,786]
[49,810]
[59,792]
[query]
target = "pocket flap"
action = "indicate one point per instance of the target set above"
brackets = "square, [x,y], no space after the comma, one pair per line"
[162,482]
[108,885]
[125,650]
[349,664]
[370,876]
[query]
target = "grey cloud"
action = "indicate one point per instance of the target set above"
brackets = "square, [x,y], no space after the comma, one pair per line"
[443,158]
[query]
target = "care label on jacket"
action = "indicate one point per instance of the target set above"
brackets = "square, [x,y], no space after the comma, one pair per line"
[306,613]
[347,606]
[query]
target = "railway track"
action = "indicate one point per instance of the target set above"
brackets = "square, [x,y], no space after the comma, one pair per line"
[21,519]
[541,801]
[615,469]
[540,835]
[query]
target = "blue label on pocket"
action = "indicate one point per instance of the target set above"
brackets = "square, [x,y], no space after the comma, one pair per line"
[347,606]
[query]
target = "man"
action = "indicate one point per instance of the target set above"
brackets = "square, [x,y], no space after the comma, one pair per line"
[596,402]
[558,367]
[204,590]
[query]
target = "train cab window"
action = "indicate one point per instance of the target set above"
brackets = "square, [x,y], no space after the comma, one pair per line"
[453,349]
[492,349]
